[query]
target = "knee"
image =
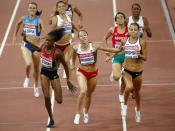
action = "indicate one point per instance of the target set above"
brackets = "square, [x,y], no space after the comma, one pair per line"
[67,61]
[82,93]
[116,77]
[28,66]
[129,88]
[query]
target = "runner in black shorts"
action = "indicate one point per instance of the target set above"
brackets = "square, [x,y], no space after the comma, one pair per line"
[49,57]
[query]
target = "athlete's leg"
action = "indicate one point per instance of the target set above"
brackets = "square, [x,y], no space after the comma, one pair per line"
[116,69]
[59,67]
[137,86]
[82,82]
[45,84]
[27,55]
[91,83]
[122,88]
[57,89]
[129,85]
[67,54]
[137,82]
[36,64]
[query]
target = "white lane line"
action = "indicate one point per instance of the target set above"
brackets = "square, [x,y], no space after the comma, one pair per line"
[114,9]
[111,85]
[124,123]
[114,13]
[168,19]
[9,26]
[52,103]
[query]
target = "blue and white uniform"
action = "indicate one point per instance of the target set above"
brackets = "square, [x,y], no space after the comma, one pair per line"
[31,28]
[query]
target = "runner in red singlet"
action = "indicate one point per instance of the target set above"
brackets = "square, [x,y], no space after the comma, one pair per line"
[49,57]
[118,33]
[87,71]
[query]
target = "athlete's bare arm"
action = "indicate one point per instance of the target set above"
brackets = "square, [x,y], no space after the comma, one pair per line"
[146,27]
[104,48]
[78,12]
[108,34]
[142,55]
[59,55]
[74,56]
[17,27]
[43,28]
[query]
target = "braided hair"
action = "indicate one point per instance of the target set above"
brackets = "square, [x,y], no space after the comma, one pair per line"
[56,34]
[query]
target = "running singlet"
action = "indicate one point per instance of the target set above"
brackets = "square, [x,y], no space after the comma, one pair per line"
[47,60]
[87,58]
[117,38]
[130,49]
[140,22]
[31,27]
[67,25]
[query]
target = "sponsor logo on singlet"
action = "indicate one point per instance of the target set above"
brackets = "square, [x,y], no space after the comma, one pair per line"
[46,62]
[130,51]
[30,29]
[87,59]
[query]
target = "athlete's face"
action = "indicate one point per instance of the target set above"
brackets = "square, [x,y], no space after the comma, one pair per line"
[49,41]
[32,9]
[120,20]
[61,8]
[133,31]
[135,10]
[83,37]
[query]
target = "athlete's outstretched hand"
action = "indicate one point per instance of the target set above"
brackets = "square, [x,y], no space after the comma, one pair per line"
[72,88]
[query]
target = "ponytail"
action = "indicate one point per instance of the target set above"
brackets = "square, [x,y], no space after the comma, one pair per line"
[38,13]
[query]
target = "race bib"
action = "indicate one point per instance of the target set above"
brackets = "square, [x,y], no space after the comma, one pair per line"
[30,30]
[87,59]
[117,44]
[131,54]
[46,63]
